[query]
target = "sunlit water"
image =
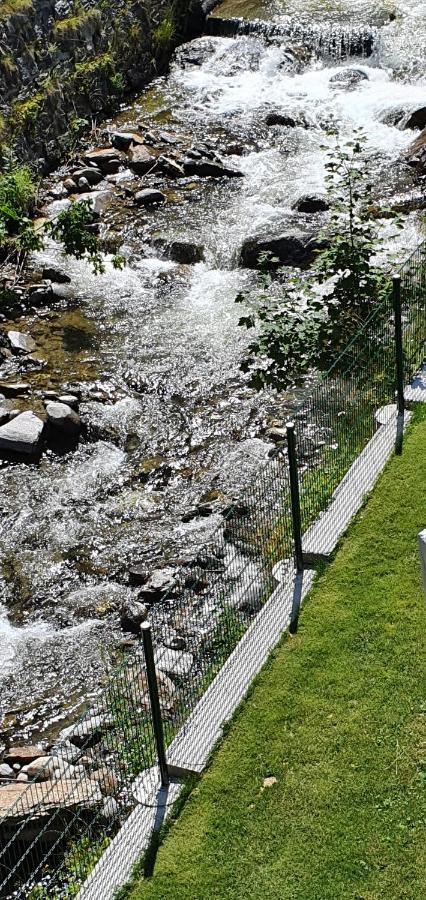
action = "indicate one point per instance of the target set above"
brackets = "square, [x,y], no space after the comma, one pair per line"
[162,341]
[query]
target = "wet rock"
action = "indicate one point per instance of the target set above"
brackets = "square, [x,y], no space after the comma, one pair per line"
[90,174]
[23,755]
[6,407]
[63,419]
[208,169]
[311,203]
[149,196]
[166,138]
[288,249]
[141,161]
[415,156]
[58,276]
[193,154]
[276,118]
[173,662]
[108,160]
[170,168]
[21,343]
[41,295]
[98,201]
[14,388]
[348,77]
[123,140]
[70,185]
[138,574]
[162,583]
[132,614]
[183,252]
[22,434]
[415,119]
[83,185]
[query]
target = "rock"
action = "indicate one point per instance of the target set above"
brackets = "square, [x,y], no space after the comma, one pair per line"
[23,755]
[22,778]
[276,118]
[193,154]
[166,690]
[287,248]
[183,252]
[167,138]
[170,168]
[138,574]
[6,407]
[149,196]
[41,768]
[132,614]
[41,294]
[174,642]
[68,400]
[161,583]
[108,160]
[141,161]
[348,77]
[62,418]
[110,809]
[58,276]
[415,119]
[22,435]
[208,169]
[90,174]
[415,156]
[45,798]
[123,140]
[70,185]
[173,662]
[106,779]
[6,771]
[98,200]
[21,343]
[311,203]
[89,732]
[83,185]
[277,434]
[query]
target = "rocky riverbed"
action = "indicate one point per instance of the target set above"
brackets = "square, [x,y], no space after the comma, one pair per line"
[147,430]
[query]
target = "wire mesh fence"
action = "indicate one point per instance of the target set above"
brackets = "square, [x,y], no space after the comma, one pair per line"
[61,813]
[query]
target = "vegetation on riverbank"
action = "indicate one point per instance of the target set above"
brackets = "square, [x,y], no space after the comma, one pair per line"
[317,792]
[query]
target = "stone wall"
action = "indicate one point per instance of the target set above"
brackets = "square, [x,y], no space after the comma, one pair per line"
[67,63]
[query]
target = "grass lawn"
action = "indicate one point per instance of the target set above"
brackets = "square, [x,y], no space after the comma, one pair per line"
[318,791]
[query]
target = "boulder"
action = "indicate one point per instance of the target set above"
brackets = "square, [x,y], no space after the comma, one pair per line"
[45,798]
[205,168]
[415,119]
[183,252]
[106,779]
[22,434]
[173,662]
[92,175]
[141,161]
[132,614]
[288,249]
[348,77]
[108,160]
[67,399]
[42,768]
[14,388]
[276,118]
[63,419]
[89,732]
[23,755]
[123,140]
[70,185]
[138,574]
[170,168]
[21,343]
[83,185]
[416,154]
[162,582]
[311,203]
[98,200]
[6,771]
[6,407]
[58,276]
[148,197]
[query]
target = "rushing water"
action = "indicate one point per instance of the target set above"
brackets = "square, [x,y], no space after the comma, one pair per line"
[160,341]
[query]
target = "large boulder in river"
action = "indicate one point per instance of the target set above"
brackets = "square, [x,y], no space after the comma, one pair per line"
[415,119]
[149,196]
[20,343]
[416,153]
[311,203]
[22,434]
[348,77]
[63,419]
[286,249]
[108,160]
[141,161]
[183,252]
[276,118]
[206,168]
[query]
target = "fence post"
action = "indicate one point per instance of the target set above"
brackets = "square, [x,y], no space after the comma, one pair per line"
[295,496]
[157,720]
[399,360]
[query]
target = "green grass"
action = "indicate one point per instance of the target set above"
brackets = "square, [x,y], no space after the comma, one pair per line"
[338,717]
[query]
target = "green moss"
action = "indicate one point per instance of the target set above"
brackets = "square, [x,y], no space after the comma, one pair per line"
[73,26]
[12,7]
[24,114]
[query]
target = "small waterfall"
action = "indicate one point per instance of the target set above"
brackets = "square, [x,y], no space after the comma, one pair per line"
[329,41]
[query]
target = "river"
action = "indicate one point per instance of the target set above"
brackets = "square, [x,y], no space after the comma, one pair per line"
[156,347]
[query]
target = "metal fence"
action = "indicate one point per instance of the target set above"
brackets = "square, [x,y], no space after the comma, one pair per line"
[61,820]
